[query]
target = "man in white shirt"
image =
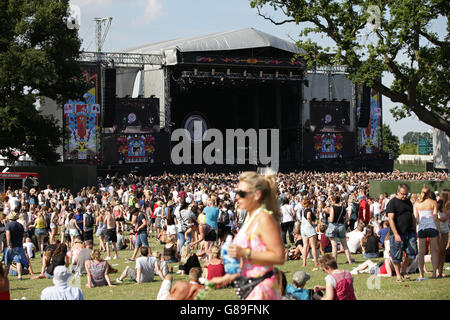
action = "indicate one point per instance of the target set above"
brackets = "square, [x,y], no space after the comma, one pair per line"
[29,247]
[354,238]
[146,266]
[61,289]
[48,191]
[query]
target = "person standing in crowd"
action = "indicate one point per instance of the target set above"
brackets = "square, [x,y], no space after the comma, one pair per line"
[61,289]
[40,230]
[141,232]
[258,242]
[339,283]
[287,221]
[88,224]
[402,231]
[14,252]
[443,215]
[364,208]
[110,235]
[308,232]
[211,228]
[426,215]
[79,217]
[336,227]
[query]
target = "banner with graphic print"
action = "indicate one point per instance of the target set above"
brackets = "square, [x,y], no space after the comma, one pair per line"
[82,123]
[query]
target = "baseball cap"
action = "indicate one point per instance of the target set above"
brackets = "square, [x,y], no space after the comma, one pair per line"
[300,277]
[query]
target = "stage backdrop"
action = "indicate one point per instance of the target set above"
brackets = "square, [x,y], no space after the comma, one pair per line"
[370,139]
[82,123]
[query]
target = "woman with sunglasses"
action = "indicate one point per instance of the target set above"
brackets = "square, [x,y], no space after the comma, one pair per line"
[258,244]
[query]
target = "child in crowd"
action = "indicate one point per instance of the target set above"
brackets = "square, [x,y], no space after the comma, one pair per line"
[30,247]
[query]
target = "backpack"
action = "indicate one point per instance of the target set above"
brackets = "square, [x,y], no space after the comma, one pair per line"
[89,220]
[224,218]
[355,210]
[344,286]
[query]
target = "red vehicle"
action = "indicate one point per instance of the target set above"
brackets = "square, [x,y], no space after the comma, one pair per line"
[17,180]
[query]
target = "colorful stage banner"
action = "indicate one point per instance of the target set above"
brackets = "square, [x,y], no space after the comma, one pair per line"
[82,121]
[370,139]
[136,148]
[328,146]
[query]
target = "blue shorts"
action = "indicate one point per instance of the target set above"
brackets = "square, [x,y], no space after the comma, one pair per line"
[427,233]
[408,244]
[40,232]
[16,255]
[371,255]
[142,239]
[338,232]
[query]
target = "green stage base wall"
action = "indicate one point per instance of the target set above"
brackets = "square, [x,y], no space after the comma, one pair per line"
[73,177]
[377,187]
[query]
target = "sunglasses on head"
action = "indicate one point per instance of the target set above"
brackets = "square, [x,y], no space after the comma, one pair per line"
[241,193]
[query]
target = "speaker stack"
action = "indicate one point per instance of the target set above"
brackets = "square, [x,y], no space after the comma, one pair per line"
[109,98]
[364,111]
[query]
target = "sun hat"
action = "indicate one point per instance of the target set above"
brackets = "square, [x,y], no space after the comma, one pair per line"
[12,216]
[61,276]
[170,203]
[300,277]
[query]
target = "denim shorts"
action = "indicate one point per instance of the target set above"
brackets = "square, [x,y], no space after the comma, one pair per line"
[40,232]
[142,239]
[427,233]
[371,255]
[338,232]
[408,244]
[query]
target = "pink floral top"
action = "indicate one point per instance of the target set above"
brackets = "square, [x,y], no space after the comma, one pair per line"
[268,289]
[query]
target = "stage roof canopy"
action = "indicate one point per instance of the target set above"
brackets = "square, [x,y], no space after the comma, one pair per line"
[222,41]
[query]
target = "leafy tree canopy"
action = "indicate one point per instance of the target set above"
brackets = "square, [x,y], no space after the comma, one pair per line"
[38,55]
[413,137]
[402,44]
[391,142]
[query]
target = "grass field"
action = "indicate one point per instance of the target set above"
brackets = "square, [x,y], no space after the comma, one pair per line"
[388,289]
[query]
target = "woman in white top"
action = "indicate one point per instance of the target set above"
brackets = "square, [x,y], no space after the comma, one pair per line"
[425,213]
[443,215]
[287,221]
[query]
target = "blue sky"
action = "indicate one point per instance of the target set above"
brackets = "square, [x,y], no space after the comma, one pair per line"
[139,22]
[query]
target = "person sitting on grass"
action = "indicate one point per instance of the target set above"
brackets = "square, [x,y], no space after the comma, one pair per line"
[121,241]
[339,283]
[163,266]
[61,289]
[370,243]
[214,267]
[146,266]
[297,287]
[295,252]
[182,290]
[46,257]
[188,260]
[97,271]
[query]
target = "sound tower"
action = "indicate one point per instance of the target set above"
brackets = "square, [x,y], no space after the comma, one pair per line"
[110,98]
[364,111]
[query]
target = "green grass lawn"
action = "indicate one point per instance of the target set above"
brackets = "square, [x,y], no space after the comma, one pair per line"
[438,289]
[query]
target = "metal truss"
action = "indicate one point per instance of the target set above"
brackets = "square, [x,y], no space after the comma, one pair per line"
[122,59]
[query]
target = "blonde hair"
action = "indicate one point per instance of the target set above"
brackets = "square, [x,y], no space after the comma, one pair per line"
[95,254]
[215,251]
[268,187]
[424,194]
[185,254]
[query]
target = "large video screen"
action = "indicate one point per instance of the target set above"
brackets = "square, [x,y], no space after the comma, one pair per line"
[328,146]
[136,148]
[330,116]
[137,115]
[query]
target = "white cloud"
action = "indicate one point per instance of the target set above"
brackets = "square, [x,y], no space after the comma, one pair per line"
[153,10]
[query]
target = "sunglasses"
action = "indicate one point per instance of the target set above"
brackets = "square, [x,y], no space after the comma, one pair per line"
[242,194]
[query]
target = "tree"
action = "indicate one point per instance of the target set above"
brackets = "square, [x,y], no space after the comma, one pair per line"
[402,30]
[38,58]
[413,137]
[408,148]
[391,142]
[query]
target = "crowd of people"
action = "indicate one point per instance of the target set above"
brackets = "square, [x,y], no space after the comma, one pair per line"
[270,218]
